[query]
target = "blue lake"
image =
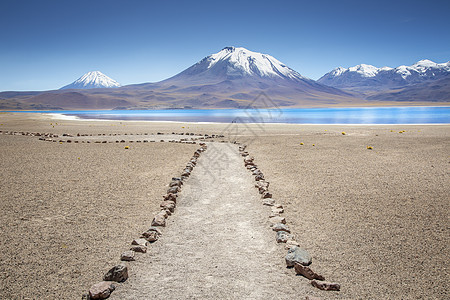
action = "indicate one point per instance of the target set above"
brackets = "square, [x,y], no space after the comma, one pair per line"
[354,115]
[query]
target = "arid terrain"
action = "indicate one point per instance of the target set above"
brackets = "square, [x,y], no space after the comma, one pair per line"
[374,220]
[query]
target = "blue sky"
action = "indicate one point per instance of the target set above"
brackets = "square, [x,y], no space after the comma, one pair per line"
[47,44]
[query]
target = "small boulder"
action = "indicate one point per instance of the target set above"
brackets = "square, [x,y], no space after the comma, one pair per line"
[296,254]
[173,190]
[127,256]
[266,195]
[259,177]
[170,197]
[141,249]
[101,290]
[307,272]
[276,210]
[281,227]
[151,236]
[156,229]
[163,213]
[277,219]
[175,183]
[282,236]
[326,286]
[269,202]
[139,242]
[170,205]
[159,220]
[118,273]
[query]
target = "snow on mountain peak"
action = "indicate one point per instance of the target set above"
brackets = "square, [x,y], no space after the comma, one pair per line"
[91,80]
[338,71]
[246,62]
[367,76]
[424,63]
[365,70]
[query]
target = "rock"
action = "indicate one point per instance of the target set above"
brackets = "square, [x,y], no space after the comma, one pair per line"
[307,272]
[259,177]
[101,290]
[276,210]
[281,227]
[141,249]
[127,256]
[140,242]
[256,172]
[282,236]
[163,213]
[326,286]
[173,190]
[118,273]
[159,220]
[269,202]
[175,183]
[266,195]
[296,254]
[277,219]
[151,236]
[170,197]
[156,229]
[170,205]
[262,189]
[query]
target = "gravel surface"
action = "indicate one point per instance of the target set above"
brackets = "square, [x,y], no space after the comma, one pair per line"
[69,210]
[218,245]
[375,221]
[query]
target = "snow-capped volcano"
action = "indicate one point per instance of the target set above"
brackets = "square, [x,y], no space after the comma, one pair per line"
[366,77]
[92,80]
[235,76]
[235,62]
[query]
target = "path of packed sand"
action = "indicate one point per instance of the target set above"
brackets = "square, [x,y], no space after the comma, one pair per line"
[218,244]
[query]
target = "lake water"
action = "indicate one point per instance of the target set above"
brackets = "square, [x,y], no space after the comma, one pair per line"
[354,115]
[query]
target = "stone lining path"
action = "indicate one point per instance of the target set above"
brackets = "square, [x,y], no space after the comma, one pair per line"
[218,243]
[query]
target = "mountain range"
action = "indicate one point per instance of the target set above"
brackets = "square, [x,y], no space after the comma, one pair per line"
[235,77]
[369,78]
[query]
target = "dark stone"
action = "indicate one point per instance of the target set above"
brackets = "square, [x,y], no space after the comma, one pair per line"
[118,273]
[307,272]
[127,256]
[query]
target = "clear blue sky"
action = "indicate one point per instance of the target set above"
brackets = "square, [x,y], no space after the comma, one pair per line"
[47,44]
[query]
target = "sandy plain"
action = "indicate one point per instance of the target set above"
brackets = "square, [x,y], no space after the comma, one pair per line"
[375,221]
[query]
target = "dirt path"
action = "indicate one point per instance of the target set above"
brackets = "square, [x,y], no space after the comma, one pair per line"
[218,244]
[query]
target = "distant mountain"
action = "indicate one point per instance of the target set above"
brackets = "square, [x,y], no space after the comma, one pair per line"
[235,76]
[239,78]
[92,80]
[369,78]
[236,63]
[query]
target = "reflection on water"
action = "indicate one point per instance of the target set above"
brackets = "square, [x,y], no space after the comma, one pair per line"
[354,115]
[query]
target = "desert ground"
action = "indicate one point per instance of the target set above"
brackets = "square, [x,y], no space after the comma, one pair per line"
[376,221]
